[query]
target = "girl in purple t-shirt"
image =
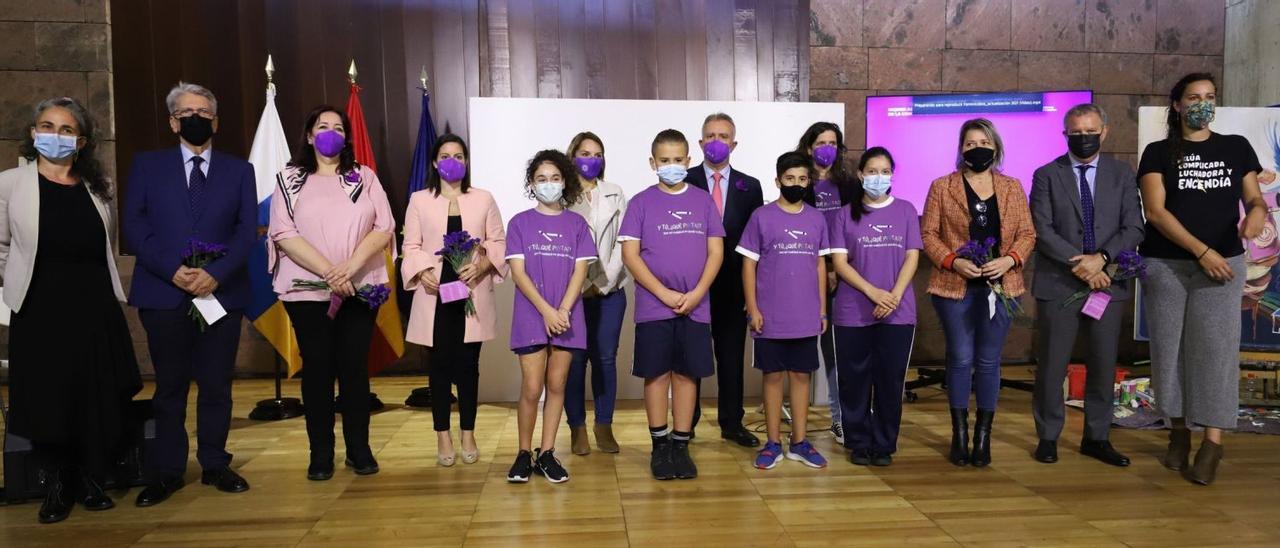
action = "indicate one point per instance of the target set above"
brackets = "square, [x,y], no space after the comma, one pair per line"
[875,247]
[548,250]
[784,276]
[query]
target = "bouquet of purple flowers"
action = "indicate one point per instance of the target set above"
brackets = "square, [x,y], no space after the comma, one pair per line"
[198,255]
[372,295]
[1128,265]
[459,248]
[980,253]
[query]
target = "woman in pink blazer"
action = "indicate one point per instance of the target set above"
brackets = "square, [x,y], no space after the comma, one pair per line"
[449,204]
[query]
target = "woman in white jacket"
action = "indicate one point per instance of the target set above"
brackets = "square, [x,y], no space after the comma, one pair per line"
[605,302]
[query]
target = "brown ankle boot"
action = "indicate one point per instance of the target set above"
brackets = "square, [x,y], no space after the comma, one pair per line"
[580,444]
[1179,449]
[1206,466]
[604,438]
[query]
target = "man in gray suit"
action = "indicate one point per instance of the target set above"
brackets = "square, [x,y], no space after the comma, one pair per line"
[1086,211]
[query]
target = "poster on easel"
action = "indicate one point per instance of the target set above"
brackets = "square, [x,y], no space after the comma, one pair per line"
[1260,305]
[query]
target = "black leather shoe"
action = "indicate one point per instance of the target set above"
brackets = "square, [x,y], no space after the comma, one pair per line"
[881,460]
[158,491]
[959,436]
[320,470]
[1103,451]
[860,457]
[363,466]
[57,502]
[981,454]
[93,497]
[225,479]
[740,436]
[1047,451]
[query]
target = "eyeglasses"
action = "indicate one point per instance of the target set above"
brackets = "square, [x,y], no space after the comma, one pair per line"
[202,112]
[980,217]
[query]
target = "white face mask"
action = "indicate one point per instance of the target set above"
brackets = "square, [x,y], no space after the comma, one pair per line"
[548,193]
[876,186]
[672,174]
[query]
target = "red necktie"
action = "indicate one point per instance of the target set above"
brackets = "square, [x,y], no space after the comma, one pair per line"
[716,194]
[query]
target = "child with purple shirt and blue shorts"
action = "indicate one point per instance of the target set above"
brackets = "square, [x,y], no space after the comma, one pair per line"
[784,277]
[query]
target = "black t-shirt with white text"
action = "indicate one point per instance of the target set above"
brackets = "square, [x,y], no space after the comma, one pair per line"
[1203,193]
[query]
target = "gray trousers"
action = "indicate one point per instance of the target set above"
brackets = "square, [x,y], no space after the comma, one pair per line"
[1057,330]
[1194,324]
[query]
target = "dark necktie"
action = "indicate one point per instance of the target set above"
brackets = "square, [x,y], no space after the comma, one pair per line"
[195,185]
[1086,209]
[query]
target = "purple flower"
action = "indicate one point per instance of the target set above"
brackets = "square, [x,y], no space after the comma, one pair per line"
[199,253]
[373,295]
[740,185]
[458,243]
[352,176]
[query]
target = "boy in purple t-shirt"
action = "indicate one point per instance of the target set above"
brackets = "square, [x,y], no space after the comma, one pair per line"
[672,243]
[784,276]
[548,249]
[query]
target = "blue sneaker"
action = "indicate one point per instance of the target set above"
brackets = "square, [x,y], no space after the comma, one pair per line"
[769,456]
[805,453]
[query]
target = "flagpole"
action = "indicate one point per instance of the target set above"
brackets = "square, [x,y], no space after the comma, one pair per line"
[280,407]
[421,397]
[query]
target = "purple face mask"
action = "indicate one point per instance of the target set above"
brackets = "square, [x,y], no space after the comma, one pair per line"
[716,151]
[330,143]
[825,155]
[451,170]
[589,166]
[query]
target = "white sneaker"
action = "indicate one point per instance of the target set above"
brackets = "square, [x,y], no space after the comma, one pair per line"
[837,430]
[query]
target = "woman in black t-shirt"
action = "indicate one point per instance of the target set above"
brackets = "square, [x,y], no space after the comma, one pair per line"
[1193,183]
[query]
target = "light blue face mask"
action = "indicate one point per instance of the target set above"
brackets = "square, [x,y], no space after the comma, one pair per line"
[876,186]
[548,193]
[54,146]
[672,174]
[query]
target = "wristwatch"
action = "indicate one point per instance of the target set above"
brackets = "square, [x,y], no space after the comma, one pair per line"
[1106,257]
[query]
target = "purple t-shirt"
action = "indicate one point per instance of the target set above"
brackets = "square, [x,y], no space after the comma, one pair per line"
[673,231]
[551,246]
[786,247]
[826,197]
[877,246]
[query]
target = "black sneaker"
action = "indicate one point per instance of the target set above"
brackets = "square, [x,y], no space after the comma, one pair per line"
[682,462]
[881,460]
[522,469]
[660,461]
[860,457]
[548,466]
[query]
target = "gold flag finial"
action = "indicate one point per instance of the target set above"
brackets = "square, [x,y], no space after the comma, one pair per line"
[351,71]
[422,77]
[271,69]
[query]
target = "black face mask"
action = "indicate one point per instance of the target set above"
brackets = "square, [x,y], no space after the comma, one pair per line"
[195,129]
[979,159]
[794,194]
[1084,146]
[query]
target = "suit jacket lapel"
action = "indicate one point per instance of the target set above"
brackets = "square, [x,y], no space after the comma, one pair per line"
[176,181]
[1071,187]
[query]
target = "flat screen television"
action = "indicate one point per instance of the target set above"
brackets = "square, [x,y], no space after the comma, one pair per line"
[923,132]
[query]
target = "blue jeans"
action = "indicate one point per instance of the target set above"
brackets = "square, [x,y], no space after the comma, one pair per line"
[974,342]
[604,317]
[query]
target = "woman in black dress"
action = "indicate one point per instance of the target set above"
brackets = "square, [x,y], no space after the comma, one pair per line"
[73,370]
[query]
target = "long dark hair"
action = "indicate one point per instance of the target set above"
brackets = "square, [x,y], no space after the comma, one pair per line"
[856,193]
[572,186]
[305,159]
[837,173]
[1174,120]
[85,165]
[433,174]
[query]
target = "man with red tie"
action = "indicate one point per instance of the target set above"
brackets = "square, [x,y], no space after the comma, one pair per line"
[736,195]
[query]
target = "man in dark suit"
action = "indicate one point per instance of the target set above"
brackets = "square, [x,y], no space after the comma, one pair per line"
[1086,211]
[736,195]
[175,195]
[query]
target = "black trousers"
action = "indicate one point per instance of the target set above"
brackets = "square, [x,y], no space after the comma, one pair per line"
[729,340]
[181,353]
[453,362]
[332,349]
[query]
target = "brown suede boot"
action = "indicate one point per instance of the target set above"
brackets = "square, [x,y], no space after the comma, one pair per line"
[1206,466]
[604,438]
[1179,448]
[580,444]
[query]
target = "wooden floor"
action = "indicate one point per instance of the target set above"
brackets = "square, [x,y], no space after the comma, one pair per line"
[611,500]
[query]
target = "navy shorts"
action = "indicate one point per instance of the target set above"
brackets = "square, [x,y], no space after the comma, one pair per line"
[778,355]
[523,350]
[674,345]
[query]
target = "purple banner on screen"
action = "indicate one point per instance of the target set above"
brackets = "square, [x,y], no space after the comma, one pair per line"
[924,146]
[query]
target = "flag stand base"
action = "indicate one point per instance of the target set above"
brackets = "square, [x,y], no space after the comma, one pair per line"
[421,398]
[277,409]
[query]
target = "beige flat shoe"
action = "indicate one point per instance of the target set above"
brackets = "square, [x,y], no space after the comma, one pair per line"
[446,460]
[470,457]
